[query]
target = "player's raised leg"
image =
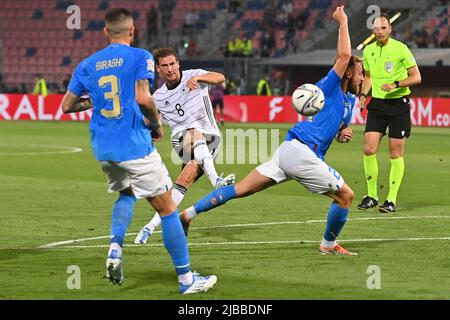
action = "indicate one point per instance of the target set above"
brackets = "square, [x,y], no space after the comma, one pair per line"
[176,244]
[121,217]
[252,183]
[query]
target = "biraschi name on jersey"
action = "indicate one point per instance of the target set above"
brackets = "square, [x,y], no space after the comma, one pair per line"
[106,64]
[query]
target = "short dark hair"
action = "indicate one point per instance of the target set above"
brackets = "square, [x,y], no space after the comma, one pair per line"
[164,52]
[117,14]
[113,19]
[382,15]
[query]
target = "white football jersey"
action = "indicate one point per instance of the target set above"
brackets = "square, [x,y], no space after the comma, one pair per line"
[183,109]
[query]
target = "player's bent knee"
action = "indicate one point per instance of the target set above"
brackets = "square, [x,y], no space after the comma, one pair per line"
[345,197]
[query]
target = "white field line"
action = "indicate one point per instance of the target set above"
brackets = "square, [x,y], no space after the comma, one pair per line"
[66,149]
[68,242]
[228,243]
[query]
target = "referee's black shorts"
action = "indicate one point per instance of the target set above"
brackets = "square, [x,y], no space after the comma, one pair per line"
[392,113]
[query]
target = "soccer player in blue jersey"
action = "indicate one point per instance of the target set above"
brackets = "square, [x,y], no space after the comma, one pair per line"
[301,155]
[117,79]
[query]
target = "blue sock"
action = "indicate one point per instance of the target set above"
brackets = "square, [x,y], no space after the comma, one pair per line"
[175,242]
[121,217]
[337,217]
[215,198]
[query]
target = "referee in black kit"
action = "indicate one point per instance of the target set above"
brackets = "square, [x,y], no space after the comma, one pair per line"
[390,68]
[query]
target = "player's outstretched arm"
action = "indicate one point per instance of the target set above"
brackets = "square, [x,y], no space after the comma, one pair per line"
[73,103]
[208,78]
[145,101]
[344,49]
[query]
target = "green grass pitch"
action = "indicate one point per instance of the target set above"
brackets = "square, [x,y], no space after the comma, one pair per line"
[261,247]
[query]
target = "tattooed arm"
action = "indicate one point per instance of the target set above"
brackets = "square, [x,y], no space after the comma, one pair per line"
[145,101]
[73,103]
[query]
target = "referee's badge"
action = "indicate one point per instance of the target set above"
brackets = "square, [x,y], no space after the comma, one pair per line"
[389,66]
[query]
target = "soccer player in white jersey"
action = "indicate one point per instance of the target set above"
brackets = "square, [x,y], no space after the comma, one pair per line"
[184,103]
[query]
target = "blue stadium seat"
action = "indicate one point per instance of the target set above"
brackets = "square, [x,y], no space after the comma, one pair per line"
[30,52]
[62,5]
[66,61]
[239,14]
[92,25]
[104,5]
[37,14]
[78,34]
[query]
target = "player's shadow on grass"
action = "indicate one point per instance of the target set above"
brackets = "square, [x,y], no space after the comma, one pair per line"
[149,278]
[12,254]
[228,234]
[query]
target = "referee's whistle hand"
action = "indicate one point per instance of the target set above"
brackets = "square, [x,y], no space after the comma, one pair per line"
[388,87]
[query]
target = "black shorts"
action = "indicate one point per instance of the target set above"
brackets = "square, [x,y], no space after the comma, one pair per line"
[217,102]
[392,113]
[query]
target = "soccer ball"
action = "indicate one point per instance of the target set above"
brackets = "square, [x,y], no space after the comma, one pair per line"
[308,99]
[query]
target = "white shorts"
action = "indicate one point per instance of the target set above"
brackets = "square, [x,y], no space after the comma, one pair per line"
[148,176]
[184,152]
[294,160]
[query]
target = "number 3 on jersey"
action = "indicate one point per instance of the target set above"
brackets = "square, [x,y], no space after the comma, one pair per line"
[113,95]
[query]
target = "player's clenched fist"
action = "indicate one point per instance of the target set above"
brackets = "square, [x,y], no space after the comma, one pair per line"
[339,15]
[192,83]
[345,135]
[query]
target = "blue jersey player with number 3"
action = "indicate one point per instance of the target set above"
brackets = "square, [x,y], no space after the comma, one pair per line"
[301,155]
[117,81]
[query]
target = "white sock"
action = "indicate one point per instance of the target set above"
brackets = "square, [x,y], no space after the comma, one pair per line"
[186,279]
[203,158]
[328,244]
[191,213]
[178,193]
[115,246]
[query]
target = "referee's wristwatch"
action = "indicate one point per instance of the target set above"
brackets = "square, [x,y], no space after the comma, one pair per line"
[397,84]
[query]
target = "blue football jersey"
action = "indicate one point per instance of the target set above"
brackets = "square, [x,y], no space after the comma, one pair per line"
[118,132]
[319,132]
